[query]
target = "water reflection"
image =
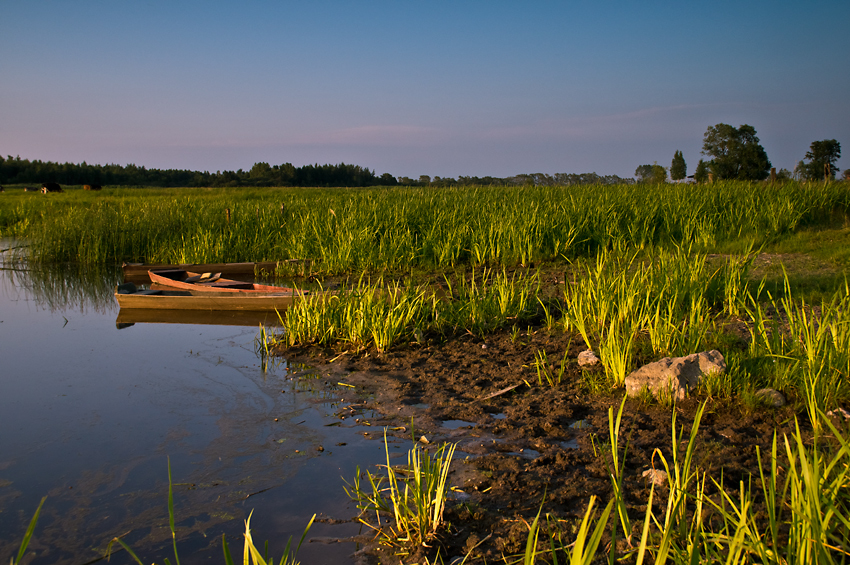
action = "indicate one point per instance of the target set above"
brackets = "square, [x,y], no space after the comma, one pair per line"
[64,287]
[129,316]
[90,413]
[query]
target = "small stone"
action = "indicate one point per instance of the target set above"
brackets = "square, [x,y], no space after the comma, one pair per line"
[771,397]
[587,358]
[320,448]
[839,413]
[656,477]
[424,440]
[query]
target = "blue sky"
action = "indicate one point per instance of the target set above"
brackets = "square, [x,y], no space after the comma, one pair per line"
[413,88]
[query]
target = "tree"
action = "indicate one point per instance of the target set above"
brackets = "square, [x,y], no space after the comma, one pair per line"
[701,172]
[820,155]
[678,169]
[736,153]
[387,180]
[654,173]
[644,173]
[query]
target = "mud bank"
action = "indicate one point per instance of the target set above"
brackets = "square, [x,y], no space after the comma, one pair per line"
[520,442]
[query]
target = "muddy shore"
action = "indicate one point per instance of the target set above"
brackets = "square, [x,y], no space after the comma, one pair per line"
[532,441]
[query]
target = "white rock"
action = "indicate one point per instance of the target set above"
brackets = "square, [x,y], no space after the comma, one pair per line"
[587,358]
[679,374]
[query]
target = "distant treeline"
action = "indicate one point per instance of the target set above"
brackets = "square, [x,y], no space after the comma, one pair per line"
[14,170]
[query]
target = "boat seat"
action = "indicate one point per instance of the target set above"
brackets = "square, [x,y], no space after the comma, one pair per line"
[203,278]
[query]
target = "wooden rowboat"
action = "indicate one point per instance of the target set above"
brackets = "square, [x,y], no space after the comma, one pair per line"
[137,270]
[156,299]
[209,282]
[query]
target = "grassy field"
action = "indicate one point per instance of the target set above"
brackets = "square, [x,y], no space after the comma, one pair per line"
[641,271]
[400,228]
[638,272]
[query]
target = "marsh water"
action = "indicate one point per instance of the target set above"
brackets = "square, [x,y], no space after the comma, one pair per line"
[91,412]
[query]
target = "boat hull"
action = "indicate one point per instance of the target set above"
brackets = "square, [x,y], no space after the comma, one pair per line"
[186,300]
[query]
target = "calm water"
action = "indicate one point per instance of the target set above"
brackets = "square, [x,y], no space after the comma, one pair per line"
[89,414]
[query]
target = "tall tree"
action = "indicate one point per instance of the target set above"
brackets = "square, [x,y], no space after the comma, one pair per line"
[701,172]
[678,169]
[736,153]
[821,154]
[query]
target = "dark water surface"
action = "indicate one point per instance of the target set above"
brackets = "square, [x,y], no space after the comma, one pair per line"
[90,413]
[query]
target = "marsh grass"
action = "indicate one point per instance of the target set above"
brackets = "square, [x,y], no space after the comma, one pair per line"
[803,516]
[547,372]
[395,228]
[630,309]
[384,313]
[409,499]
[620,302]
[805,348]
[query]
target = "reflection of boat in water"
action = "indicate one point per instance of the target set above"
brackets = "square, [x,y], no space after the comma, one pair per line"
[162,299]
[130,316]
[209,282]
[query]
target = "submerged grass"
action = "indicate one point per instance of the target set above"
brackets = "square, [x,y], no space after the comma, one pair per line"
[251,554]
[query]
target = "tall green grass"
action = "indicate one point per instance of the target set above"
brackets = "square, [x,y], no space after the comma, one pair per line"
[410,500]
[395,228]
[802,515]
[807,346]
[628,308]
[383,314]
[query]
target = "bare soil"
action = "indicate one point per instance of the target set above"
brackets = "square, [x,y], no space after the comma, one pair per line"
[535,444]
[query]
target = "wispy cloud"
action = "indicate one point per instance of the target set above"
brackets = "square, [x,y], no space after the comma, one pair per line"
[376,135]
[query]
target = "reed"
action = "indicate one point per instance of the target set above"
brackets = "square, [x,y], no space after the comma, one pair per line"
[806,516]
[809,347]
[383,314]
[619,302]
[548,372]
[628,309]
[411,498]
[395,228]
